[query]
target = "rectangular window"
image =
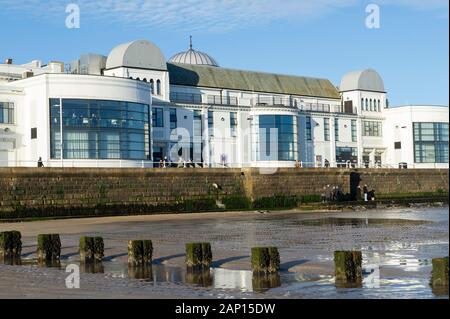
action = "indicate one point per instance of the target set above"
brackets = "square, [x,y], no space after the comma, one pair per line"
[34,133]
[354,132]
[197,123]
[233,124]
[173,118]
[430,142]
[211,123]
[158,117]
[6,113]
[336,129]
[346,154]
[326,129]
[308,128]
[398,145]
[280,132]
[371,128]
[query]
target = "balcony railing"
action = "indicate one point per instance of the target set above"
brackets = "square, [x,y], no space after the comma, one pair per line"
[192,98]
[188,98]
[221,100]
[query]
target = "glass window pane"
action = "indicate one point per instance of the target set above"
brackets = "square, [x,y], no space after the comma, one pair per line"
[95,129]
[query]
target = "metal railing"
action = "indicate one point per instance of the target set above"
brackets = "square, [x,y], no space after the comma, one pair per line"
[188,98]
[221,100]
[57,163]
[193,98]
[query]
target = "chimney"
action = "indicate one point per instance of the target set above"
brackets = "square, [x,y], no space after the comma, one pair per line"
[9,61]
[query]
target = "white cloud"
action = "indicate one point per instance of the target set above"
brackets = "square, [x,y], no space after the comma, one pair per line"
[193,15]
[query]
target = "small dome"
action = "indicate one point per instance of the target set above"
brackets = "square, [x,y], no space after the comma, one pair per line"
[192,56]
[367,80]
[137,54]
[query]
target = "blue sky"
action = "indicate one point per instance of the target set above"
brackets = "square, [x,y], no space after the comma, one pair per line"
[320,38]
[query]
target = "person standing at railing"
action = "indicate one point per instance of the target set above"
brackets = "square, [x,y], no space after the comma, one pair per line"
[358,193]
[181,162]
[40,163]
[365,191]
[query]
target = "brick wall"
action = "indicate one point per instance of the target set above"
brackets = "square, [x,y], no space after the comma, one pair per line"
[38,189]
[388,181]
[297,181]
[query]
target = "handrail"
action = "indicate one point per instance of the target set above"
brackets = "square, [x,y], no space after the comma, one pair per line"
[112,163]
[195,98]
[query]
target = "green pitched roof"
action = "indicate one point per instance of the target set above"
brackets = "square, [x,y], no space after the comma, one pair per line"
[215,77]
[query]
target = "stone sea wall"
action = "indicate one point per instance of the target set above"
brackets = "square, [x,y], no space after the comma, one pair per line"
[36,192]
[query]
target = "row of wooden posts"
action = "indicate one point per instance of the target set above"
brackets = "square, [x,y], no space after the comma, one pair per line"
[265,260]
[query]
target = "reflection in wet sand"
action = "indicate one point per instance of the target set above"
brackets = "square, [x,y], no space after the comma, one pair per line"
[440,291]
[53,263]
[200,277]
[342,284]
[143,272]
[232,279]
[264,282]
[92,267]
[360,222]
[12,261]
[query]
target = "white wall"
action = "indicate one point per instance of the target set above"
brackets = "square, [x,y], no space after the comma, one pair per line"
[398,127]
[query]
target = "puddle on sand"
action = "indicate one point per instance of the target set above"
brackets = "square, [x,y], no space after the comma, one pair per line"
[286,283]
[360,222]
[217,278]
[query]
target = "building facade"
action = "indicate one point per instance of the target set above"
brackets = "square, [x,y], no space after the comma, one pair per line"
[133,108]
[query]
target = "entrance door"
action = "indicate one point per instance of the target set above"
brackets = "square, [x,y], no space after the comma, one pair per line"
[158,154]
[366,161]
[378,160]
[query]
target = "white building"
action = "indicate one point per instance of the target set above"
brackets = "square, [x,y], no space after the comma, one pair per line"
[133,109]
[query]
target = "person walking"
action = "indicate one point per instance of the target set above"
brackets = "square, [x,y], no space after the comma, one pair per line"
[365,191]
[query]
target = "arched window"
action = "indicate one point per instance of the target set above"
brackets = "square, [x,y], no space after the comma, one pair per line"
[367,104]
[371,106]
[362,104]
[379,106]
[158,87]
[152,86]
[145,80]
[138,79]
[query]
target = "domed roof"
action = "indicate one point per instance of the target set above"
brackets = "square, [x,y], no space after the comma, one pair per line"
[367,80]
[192,56]
[137,54]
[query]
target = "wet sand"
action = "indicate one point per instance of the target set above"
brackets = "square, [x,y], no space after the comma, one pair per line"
[402,249]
